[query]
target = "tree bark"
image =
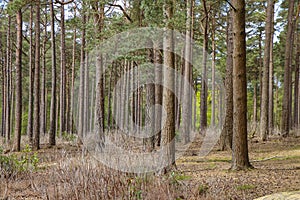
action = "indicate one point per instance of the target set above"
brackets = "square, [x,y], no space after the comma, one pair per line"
[43,114]
[296,88]
[31,78]
[213,69]
[264,117]
[168,131]
[203,100]
[18,109]
[227,130]
[186,103]
[8,85]
[285,117]
[36,111]
[150,112]
[271,80]
[158,91]
[99,103]
[52,132]
[81,84]
[71,120]
[240,158]
[62,113]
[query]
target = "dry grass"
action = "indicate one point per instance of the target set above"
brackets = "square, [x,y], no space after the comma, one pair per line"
[67,172]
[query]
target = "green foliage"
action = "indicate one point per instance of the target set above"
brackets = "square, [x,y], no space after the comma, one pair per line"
[69,137]
[28,159]
[202,189]
[245,187]
[11,165]
[24,123]
[176,177]
[135,187]
[15,5]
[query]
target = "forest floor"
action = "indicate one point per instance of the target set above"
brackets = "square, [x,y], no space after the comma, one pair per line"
[64,172]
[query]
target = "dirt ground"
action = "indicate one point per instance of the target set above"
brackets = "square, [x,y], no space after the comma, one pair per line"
[276,169]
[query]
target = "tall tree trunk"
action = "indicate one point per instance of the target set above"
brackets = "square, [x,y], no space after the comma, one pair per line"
[213,69]
[264,117]
[109,98]
[99,103]
[296,89]
[180,88]
[3,74]
[240,157]
[71,120]
[8,85]
[150,112]
[62,124]
[254,102]
[31,77]
[43,114]
[168,131]
[158,91]
[227,131]
[52,132]
[271,80]
[186,103]
[285,117]
[36,111]
[86,103]
[81,84]
[203,100]
[260,66]
[18,110]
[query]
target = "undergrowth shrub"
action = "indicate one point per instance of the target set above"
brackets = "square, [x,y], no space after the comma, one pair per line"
[76,178]
[11,165]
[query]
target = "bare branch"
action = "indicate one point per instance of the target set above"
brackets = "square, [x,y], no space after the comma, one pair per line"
[122,9]
[230,5]
[63,3]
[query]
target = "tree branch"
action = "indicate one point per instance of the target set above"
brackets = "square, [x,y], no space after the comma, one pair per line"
[122,9]
[63,3]
[230,5]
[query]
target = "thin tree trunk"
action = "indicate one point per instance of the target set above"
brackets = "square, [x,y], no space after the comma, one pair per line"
[62,124]
[8,85]
[186,103]
[43,81]
[254,102]
[285,117]
[18,110]
[213,66]
[86,96]
[264,117]
[71,120]
[203,100]
[81,84]
[271,80]
[227,131]
[109,106]
[260,65]
[36,111]
[52,132]
[158,91]
[99,114]
[296,91]
[3,90]
[150,112]
[180,88]
[31,77]
[168,131]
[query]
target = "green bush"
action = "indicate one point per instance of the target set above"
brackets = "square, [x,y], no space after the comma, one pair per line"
[11,165]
